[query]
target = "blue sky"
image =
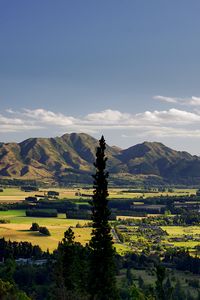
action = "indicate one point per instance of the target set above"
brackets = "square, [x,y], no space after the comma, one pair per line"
[128,69]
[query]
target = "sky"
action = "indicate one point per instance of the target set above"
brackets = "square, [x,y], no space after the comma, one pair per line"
[127,69]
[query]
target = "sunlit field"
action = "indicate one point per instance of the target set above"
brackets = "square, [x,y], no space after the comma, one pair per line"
[18,229]
[15,194]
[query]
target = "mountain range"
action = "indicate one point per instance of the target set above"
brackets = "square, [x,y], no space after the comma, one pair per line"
[70,158]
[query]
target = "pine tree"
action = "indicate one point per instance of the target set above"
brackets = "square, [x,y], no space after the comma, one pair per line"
[71,271]
[102,271]
[161,275]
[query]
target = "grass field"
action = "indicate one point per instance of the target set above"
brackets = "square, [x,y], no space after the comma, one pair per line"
[181,230]
[21,232]
[18,229]
[15,194]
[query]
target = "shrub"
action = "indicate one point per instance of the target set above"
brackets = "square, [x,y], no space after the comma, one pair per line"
[31,199]
[4,221]
[35,227]
[52,193]
[194,283]
[41,213]
[44,230]
[29,188]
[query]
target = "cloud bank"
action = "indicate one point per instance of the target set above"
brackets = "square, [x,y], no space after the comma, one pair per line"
[163,123]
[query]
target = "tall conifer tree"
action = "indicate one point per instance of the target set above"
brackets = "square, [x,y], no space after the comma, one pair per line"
[103,284]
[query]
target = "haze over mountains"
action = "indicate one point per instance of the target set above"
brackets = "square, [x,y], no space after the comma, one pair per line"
[70,158]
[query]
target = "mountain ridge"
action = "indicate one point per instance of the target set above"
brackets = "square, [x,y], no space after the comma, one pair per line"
[72,156]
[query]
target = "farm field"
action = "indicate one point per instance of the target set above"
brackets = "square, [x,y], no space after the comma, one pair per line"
[15,194]
[18,229]
[181,231]
[21,232]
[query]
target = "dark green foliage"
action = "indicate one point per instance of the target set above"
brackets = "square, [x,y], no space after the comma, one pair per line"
[188,218]
[36,281]
[4,221]
[52,193]
[80,214]
[41,213]
[3,207]
[44,230]
[31,199]
[140,282]
[102,272]
[194,283]
[27,188]
[160,274]
[137,294]
[129,276]
[178,292]
[16,250]
[35,227]
[182,260]
[9,292]
[60,205]
[18,182]
[71,269]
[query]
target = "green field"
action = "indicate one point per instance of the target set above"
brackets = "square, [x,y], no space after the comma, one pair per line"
[15,194]
[18,229]
[181,230]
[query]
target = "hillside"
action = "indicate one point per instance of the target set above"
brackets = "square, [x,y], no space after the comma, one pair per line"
[70,158]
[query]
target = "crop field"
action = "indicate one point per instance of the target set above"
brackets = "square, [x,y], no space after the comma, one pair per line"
[11,195]
[181,230]
[15,194]
[18,229]
[21,232]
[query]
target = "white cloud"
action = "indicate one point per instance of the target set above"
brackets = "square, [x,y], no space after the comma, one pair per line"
[108,116]
[192,101]
[172,132]
[172,122]
[165,99]
[12,121]
[15,124]
[49,117]
[170,116]
[195,101]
